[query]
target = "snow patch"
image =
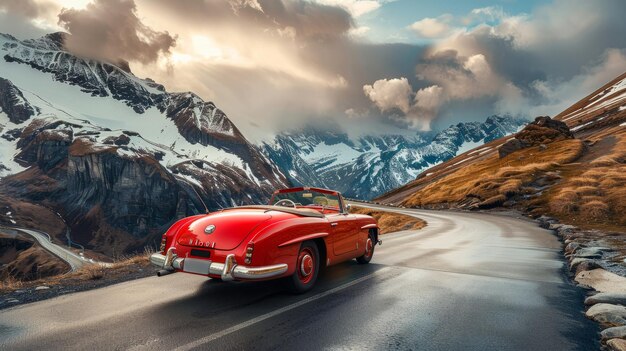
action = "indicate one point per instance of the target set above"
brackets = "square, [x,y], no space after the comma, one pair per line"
[8,149]
[158,132]
[9,214]
[481,150]
[582,126]
[469,145]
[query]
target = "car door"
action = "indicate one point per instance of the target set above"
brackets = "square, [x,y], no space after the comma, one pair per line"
[344,235]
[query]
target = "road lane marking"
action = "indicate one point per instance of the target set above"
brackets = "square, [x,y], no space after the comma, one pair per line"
[277,312]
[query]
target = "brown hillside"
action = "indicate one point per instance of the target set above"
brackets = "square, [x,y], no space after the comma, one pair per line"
[21,258]
[578,177]
[390,222]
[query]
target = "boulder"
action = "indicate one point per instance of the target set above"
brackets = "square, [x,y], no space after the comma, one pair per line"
[542,131]
[582,264]
[602,281]
[122,140]
[612,298]
[575,262]
[547,122]
[509,147]
[571,247]
[555,226]
[590,252]
[614,332]
[608,314]
[616,344]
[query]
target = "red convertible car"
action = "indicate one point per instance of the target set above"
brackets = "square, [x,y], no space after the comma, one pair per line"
[301,231]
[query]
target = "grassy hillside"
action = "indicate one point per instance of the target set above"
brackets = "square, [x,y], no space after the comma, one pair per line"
[390,222]
[577,177]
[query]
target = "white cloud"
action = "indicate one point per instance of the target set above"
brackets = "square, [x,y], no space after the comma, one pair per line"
[429,98]
[356,7]
[455,78]
[485,14]
[431,28]
[427,103]
[389,94]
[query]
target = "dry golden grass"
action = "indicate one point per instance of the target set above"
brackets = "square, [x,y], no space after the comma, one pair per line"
[10,283]
[97,271]
[594,195]
[390,222]
[496,200]
[493,180]
[595,209]
[92,272]
[86,273]
[510,187]
[584,181]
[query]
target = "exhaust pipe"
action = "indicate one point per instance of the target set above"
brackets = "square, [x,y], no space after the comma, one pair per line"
[164,272]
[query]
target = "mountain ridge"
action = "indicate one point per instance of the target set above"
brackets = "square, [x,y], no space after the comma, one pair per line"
[371,165]
[117,157]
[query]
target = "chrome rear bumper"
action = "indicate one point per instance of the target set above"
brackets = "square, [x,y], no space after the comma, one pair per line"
[229,270]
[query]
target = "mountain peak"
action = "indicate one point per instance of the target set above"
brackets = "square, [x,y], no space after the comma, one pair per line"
[52,41]
[373,164]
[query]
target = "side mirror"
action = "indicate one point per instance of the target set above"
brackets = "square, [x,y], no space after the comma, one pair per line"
[348,207]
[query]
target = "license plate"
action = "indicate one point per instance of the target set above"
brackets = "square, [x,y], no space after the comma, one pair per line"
[193,265]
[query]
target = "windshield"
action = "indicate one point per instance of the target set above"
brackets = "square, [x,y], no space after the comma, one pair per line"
[308,198]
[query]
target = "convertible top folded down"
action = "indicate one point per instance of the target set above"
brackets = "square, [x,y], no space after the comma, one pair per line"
[304,212]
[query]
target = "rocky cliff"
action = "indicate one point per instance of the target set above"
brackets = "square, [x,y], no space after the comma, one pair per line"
[117,157]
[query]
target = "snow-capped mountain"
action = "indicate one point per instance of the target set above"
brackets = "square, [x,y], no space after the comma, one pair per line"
[371,165]
[119,154]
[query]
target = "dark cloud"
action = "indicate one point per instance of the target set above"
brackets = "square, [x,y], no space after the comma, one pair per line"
[112,30]
[295,60]
[17,17]
[26,8]
[296,18]
[309,20]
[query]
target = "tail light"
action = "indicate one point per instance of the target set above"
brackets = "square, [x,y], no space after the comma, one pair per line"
[163,244]
[249,250]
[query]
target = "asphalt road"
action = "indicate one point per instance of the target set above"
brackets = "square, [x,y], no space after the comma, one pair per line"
[465,282]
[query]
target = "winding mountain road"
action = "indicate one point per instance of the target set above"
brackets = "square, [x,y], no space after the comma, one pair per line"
[468,281]
[73,260]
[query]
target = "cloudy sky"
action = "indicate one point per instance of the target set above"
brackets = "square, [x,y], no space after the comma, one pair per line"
[371,65]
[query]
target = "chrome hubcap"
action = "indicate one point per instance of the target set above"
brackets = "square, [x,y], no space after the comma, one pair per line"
[306,265]
[368,247]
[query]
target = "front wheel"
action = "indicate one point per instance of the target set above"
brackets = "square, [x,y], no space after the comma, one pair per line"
[307,268]
[369,251]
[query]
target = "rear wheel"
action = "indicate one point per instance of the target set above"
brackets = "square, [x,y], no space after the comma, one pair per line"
[307,268]
[369,251]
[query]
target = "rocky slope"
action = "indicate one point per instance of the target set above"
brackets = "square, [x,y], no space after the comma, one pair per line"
[116,157]
[24,260]
[570,167]
[371,165]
